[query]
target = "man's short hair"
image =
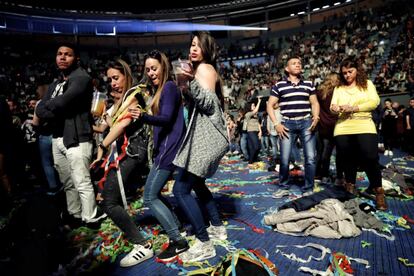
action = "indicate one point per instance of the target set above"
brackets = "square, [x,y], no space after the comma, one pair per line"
[72,46]
[295,56]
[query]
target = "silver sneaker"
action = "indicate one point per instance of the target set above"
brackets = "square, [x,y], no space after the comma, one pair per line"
[199,251]
[217,232]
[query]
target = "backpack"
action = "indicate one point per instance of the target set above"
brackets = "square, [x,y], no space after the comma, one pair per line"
[242,262]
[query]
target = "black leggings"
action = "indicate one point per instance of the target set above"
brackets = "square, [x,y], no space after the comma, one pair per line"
[360,150]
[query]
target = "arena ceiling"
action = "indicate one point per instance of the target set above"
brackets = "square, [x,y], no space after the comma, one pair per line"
[137,6]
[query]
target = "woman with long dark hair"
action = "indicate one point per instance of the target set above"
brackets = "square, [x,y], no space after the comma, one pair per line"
[194,159]
[355,132]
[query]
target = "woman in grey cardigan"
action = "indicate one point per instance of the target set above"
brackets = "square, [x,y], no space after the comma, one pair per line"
[203,147]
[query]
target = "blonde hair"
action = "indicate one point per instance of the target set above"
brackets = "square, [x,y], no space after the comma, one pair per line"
[328,85]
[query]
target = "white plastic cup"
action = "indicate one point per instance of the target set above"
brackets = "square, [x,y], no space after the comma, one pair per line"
[98,103]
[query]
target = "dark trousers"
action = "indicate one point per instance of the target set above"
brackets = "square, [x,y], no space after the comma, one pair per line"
[254,145]
[360,150]
[324,148]
[112,200]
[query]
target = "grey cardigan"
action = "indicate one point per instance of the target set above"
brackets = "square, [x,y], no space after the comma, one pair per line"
[205,142]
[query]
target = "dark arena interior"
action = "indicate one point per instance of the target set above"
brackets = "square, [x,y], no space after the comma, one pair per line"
[245,137]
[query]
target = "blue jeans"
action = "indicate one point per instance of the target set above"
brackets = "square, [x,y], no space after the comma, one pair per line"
[46,157]
[234,147]
[156,180]
[243,145]
[265,143]
[295,154]
[298,128]
[185,182]
[274,143]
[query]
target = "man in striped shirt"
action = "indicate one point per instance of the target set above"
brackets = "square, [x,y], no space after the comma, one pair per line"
[299,108]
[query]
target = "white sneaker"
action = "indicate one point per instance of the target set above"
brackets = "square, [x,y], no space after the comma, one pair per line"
[390,153]
[217,232]
[386,152]
[137,255]
[199,251]
[280,193]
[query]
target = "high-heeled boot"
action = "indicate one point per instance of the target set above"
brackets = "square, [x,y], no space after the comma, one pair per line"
[350,188]
[380,199]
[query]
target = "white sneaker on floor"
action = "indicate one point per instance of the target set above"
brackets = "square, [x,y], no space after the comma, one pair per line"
[217,232]
[199,251]
[280,193]
[390,153]
[277,168]
[137,255]
[386,152]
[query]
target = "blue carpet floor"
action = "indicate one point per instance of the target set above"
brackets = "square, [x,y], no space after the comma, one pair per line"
[245,195]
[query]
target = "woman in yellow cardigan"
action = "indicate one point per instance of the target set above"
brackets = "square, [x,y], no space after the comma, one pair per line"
[355,133]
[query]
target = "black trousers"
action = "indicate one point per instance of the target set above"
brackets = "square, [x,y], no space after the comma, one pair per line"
[360,150]
[112,200]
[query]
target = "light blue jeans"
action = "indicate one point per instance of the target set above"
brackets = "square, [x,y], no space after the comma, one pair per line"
[275,145]
[160,208]
[298,128]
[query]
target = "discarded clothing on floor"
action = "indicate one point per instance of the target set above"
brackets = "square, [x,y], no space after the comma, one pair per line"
[307,202]
[361,218]
[328,220]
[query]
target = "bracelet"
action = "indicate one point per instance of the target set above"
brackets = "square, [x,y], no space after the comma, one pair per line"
[103,147]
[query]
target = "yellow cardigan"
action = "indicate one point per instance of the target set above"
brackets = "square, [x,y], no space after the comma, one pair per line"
[361,121]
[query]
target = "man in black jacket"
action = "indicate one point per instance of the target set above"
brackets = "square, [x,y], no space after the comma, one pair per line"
[67,106]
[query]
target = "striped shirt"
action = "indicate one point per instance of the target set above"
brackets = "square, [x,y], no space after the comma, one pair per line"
[293,99]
